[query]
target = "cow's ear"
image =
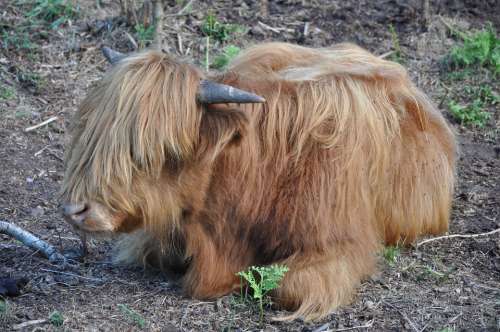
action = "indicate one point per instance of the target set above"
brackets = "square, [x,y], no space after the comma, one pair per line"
[221,127]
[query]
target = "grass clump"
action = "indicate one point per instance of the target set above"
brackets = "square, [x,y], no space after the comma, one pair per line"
[6,92]
[53,12]
[144,34]
[397,56]
[479,49]
[56,318]
[391,254]
[223,59]
[133,316]
[17,38]
[216,31]
[474,113]
[262,280]
[469,114]
[4,309]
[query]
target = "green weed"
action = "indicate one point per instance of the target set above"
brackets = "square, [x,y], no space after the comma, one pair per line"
[217,31]
[262,280]
[469,114]
[31,81]
[133,315]
[53,12]
[56,318]
[479,49]
[391,254]
[6,92]
[474,113]
[446,329]
[223,59]
[4,309]
[397,56]
[144,35]
[18,38]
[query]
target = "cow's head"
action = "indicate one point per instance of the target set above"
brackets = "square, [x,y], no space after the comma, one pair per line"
[140,140]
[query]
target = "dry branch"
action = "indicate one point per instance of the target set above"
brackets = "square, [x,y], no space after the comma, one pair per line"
[41,124]
[29,323]
[158,22]
[426,15]
[32,241]
[461,236]
[386,54]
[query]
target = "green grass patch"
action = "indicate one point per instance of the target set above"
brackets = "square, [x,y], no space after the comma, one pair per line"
[17,38]
[4,309]
[397,56]
[219,31]
[446,329]
[56,318]
[478,49]
[391,254]
[132,315]
[223,59]
[144,35]
[53,12]
[474,113]
[216,31]
[6,92]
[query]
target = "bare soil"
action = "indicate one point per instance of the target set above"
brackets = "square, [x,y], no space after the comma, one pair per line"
[449,284]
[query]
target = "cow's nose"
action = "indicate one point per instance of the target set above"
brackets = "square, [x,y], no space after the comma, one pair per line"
[75,212]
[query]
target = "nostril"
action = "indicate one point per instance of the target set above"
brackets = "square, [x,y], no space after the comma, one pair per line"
[74,209]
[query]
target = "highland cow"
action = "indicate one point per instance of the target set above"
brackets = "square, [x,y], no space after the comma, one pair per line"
[311,158]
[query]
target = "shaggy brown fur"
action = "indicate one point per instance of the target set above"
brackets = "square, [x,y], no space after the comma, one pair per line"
[345,155]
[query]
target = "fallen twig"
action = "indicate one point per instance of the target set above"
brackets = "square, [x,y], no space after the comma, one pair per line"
[29,323]
[41,124]
[39,152]
[73,275]
[462,236]
[158,22]
[32,241]
[185,8]
[412,324]
[274,29]
[369,324]
[132,40]
[452,29]
[385,55]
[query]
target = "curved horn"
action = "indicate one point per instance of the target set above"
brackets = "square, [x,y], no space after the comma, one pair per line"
[111,55]
[215,93]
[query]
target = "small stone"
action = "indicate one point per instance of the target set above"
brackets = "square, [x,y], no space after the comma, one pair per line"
[37,212]
[369,304]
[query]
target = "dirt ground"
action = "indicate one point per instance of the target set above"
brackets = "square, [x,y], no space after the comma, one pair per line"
[445,285]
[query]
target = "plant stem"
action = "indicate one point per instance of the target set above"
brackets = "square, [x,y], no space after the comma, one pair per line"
[261,312]
[207,51]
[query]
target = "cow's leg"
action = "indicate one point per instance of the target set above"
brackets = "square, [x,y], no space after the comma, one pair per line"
[212,272]
[315,289]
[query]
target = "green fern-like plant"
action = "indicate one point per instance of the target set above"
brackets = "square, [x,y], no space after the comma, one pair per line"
[391,254]
[144,34]
[223,59]
[473,113]
[262,280]
[479,49]
[214,30]
[54,12]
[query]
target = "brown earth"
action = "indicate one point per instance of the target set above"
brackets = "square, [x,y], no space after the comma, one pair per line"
[449,284]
